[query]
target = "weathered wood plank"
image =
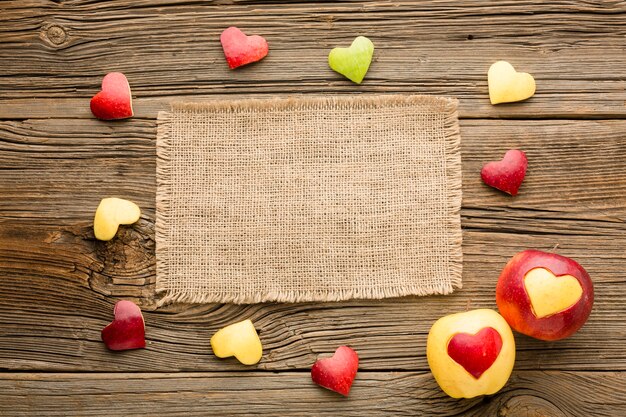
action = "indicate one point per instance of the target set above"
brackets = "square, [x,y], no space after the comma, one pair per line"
[373,393]
[57,287]
[53,173]
[56,171]
[57,53]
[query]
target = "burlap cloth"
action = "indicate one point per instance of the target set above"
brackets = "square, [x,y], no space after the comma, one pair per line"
[308,199]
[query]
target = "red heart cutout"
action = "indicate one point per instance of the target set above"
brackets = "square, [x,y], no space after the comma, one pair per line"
[506,175]
[114,101]
[240,49]
[128,329]
[338,372]
[476,352]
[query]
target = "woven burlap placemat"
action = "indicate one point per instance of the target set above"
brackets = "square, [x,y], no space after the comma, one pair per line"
[308,199]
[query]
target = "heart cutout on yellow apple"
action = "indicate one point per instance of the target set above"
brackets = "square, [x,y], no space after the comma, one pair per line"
[550,294]
[507,85]
[475,352]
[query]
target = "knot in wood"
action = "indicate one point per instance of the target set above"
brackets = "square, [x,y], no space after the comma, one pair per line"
[528,405]
[56,34]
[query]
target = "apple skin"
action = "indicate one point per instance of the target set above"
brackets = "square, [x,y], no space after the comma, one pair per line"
[241,49]
[476,352]
[515,305]
[114,101]
[453,378]
[507,174]
[337,372]
[127,330]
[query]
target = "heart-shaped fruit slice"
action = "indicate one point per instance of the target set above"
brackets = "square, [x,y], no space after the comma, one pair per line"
[240,49]
[239,340]
[475,352]
[114,101]
[507,85]
[550,294]
[352,62]
[127,330]
[338,372]
[508,174]
[111,213]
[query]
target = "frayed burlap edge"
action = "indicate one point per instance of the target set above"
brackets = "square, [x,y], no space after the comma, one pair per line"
[164,192]
[454,191]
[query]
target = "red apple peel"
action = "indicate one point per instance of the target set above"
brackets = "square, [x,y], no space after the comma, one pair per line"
[507,174]
[127,330]
[337,372]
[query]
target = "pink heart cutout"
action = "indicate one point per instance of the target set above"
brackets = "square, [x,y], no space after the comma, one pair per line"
[240,49]
[114,101]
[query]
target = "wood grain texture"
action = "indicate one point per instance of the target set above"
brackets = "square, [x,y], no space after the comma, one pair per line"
[58,284]
[55,171]
[238,394]
[58,52]
[59,287]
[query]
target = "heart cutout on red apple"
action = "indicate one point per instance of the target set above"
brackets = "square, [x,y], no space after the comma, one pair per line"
[241,49]
[114,101]
[127,330]
[507,174]
[475,352]
[338,372]
[550,294]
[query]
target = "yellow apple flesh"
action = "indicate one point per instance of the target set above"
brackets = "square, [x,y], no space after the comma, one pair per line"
[507,85]
[111,213]
[239,340]
[550,294]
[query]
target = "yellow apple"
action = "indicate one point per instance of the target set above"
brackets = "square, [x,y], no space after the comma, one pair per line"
[239,340]
[111,213]
[471,353]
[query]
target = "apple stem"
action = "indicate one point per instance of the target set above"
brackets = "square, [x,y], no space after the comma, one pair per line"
[554,247]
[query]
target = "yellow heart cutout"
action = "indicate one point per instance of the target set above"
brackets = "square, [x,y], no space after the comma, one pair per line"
[111,213]
[507,85]
[239,340]
[550,294]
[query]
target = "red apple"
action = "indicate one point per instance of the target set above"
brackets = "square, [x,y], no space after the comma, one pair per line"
[506,175]
[338,372]
[544,295]
[127,330]
[114,101]
[240,49]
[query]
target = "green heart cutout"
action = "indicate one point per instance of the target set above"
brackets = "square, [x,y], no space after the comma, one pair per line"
[352,62]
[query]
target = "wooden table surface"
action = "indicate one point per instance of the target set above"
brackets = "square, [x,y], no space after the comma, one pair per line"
[58,284]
